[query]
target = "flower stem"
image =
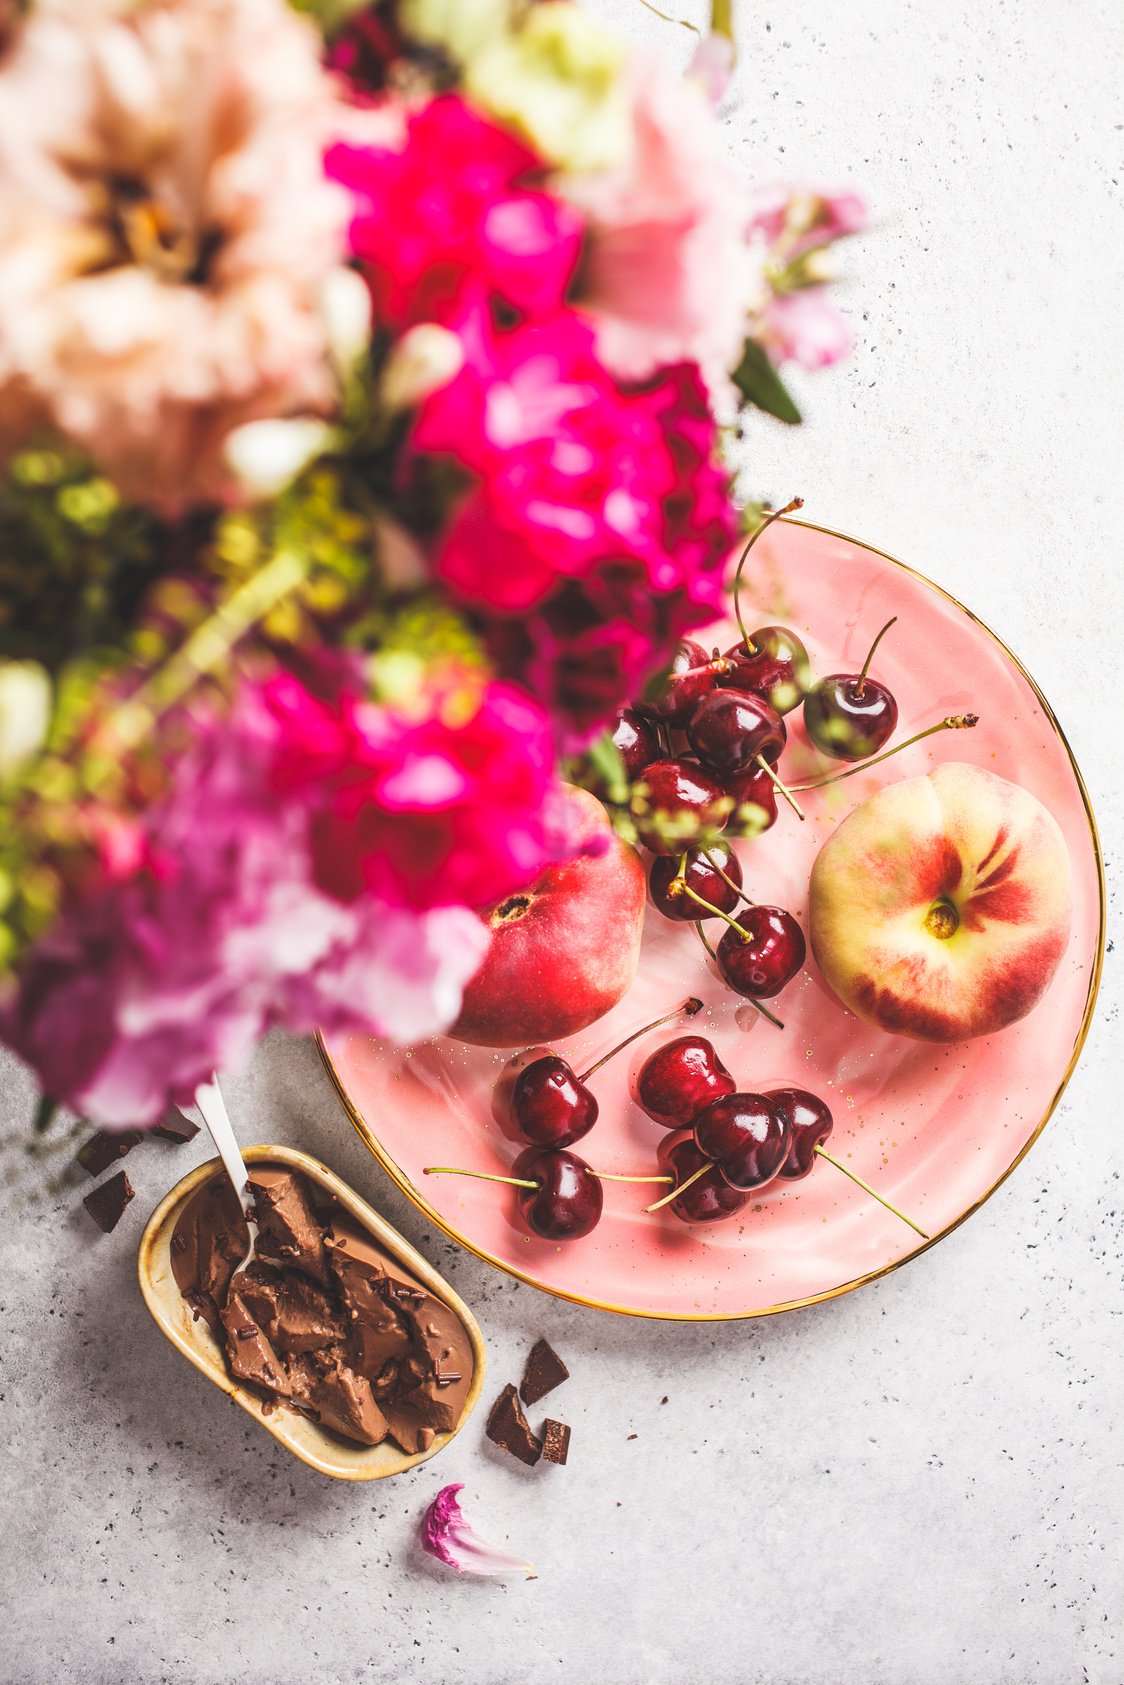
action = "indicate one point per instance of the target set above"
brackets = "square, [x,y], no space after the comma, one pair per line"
[775,515]
[481,1175]
[866,1187]
[690,1006]
[682,1187]
[954,722]
[782,787]
[204,651]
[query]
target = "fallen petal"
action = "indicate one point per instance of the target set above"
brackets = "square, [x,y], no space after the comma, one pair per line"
[446,1535]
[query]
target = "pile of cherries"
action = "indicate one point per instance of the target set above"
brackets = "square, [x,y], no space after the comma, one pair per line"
[702,758]
[722,1145]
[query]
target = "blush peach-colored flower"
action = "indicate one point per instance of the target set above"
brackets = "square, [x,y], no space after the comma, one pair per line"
[166,233]
[667,272]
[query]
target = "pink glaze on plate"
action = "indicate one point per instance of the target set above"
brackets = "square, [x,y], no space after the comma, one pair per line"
[936,1128]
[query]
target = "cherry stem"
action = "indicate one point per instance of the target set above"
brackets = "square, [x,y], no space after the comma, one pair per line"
[725,876]
[690,1006]
[699,932]
[860,688]
[481,1175]
[681,1188]
[866,1187]
[608,1176]
[954,722]
[716,911]
[797,503]
[782,787]
[756,1004]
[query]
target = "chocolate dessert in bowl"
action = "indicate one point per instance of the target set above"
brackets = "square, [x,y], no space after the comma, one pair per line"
[338,1337]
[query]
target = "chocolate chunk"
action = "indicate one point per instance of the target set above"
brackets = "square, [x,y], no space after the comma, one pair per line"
[251,1356]
[107,1203]
[105,1148]
[555,1441]
[545,1370]
[507,1427]
[175,1126]
[288,1228]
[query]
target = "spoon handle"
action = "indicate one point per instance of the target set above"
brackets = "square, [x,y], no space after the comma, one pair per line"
[212,1109]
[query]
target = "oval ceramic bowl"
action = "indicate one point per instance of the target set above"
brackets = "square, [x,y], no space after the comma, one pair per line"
[321,1450]
[935,1128]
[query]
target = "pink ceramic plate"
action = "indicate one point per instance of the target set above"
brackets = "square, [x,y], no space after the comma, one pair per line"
[935,1128]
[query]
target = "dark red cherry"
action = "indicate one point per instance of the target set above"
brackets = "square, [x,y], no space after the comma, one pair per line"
[676,1081]
[730,728]
[809,1122]
[680,800]
[688,656]
[755,801]
[567,1202]
[550,1105]
[774,953]
[746,1135]
[774,666]
[701,876]
[708,1200]
[850,715]
[636,742]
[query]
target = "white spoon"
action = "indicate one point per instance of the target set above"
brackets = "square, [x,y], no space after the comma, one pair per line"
[213,1111]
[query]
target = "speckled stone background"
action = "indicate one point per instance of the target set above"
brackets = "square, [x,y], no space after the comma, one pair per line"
[915,1484]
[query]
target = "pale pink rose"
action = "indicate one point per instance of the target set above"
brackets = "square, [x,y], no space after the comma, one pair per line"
[804,327]
[667,273]
[166,233]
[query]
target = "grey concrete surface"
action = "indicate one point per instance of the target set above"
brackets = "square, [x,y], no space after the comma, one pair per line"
[915,1484]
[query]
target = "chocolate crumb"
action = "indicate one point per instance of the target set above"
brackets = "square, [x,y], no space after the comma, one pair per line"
[555,1441]
[174,1126]
[545,1370]
[107,1203]
[448,1379]
[634,1436]
[105,1148]
[508,1428]
[663,1400]
[179,1244]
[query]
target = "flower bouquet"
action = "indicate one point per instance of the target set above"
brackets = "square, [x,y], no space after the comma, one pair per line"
[364,381]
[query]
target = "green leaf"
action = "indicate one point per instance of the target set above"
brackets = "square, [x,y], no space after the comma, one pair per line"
[759,383]
[605,758]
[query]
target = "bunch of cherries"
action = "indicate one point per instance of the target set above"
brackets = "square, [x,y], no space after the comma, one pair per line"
[704,758]
[722,1145]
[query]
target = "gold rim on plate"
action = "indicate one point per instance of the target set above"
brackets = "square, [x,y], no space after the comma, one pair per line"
[398,1175]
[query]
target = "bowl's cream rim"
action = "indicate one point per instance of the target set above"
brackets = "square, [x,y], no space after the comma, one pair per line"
[386,1235]
[398,1175]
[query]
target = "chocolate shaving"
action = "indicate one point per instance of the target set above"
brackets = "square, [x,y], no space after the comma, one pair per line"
[508,1428]
[545,1370]
[107,1203]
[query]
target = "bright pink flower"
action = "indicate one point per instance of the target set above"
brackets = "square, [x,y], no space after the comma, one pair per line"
[447,809]
[613,527]
[453,216]
[309,866]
